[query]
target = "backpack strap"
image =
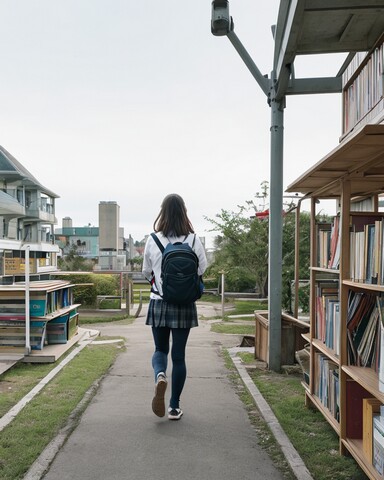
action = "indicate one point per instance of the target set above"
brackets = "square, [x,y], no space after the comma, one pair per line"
[161,246]
[157,241]
[193,242]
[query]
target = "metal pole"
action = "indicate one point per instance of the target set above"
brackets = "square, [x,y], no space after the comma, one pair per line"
[27,309]
[297,260]
[222,294]
[252,67]
[275,234]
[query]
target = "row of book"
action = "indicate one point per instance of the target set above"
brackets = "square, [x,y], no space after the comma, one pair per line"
[328,314]
[365,317]
[363,90]
[327,383]
[329,244]
[366,253]
[364,321]
[366,248]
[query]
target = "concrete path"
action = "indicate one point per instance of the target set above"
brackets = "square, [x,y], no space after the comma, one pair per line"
[119,437]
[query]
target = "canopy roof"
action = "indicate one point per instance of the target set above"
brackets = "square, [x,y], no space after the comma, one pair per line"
[359,159]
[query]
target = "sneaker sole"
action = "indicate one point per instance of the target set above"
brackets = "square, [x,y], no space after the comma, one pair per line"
[158,403]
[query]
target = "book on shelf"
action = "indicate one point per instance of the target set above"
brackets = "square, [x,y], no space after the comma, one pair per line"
[365,338]
[370,251]
[381,344]
[327,293]
[327,383]
[331,304]
[366,251]
[363,322]
[334,249]
[324,243]
[336,317]
[378,445]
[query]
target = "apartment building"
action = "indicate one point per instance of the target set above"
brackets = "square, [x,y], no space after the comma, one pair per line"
[27,219]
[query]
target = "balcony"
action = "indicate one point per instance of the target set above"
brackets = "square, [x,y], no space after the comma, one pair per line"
[10,206]
[40,212]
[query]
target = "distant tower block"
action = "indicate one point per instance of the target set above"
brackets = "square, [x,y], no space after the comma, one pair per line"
[109,221]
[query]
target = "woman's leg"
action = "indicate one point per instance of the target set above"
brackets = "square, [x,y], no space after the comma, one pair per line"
[160,356]
[179,370]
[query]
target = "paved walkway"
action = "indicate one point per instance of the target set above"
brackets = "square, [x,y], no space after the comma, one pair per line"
[119,437]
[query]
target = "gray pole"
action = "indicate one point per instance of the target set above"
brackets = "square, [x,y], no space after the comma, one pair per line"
[275,233]
[222,24]
[276,205]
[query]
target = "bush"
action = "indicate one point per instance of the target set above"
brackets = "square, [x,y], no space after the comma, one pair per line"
[237,279]
[100,285]
[304,298]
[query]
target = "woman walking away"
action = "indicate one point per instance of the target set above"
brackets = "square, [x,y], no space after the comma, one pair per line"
[170,317]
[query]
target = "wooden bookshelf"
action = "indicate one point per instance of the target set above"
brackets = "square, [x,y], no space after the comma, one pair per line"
[353,170]
[53,315]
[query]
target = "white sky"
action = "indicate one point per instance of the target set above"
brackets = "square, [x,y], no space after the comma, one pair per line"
[127,101]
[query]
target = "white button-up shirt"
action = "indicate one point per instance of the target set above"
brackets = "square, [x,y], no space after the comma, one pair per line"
[153,257]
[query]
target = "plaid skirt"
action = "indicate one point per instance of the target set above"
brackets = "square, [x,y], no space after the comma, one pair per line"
[163,314]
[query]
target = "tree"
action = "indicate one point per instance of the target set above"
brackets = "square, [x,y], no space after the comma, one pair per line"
[242,247]
[241,250]
[75,262]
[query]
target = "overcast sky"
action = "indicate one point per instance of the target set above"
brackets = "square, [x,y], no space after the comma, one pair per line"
[127,101]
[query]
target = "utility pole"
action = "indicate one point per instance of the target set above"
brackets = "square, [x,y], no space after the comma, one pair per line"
[222,25]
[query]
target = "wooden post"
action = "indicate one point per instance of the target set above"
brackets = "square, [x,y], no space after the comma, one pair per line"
[128,297]
[222,293]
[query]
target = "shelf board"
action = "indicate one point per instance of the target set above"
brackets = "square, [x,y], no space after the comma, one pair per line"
[306,387]
[355,448]
[58,313]
[367,378]
[324,410]
[319,345]
[306,337]
[364,286]
[333,271]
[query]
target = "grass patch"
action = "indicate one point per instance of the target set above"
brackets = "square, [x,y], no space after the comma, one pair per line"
[313,438]
[22,441]
[247,307]
[265,436]
[233,328]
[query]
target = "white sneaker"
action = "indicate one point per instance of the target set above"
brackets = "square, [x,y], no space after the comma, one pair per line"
[158,403]
[174,413]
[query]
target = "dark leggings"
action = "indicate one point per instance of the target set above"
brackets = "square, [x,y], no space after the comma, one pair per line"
[160,358]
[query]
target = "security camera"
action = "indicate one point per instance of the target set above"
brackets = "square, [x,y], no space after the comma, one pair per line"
[221,23]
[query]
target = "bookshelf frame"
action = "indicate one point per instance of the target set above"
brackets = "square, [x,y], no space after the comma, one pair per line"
[351,172]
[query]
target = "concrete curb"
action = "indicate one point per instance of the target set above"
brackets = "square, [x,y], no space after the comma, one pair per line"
[293,458]
[44,460]
[12,413]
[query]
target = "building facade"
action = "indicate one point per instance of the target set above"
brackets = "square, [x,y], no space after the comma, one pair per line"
[85,239]
[27,219]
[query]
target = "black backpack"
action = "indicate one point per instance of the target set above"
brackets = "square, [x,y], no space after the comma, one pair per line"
[179,272]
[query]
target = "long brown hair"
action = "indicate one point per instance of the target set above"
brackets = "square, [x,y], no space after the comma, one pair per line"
[173,219]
